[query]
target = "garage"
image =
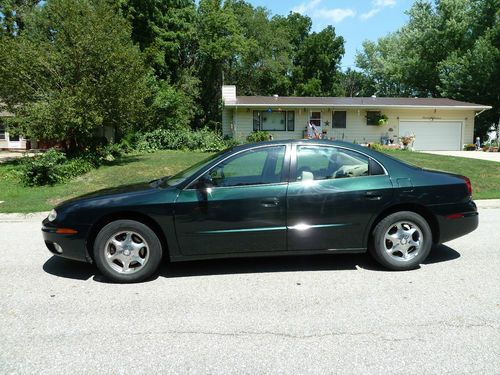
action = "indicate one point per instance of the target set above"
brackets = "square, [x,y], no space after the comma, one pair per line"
[433,135]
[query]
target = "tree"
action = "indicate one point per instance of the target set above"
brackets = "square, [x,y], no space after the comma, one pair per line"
[71,72]
[448,48]
[220,41]
[12,14]
[317,63]
[262,68]
[353,83]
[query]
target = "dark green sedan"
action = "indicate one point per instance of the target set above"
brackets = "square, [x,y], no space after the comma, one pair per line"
[270,198]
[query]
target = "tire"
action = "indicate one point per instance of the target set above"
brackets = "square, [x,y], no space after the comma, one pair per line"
[401,241]
[127,251]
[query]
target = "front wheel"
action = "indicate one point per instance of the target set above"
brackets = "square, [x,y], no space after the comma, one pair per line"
[127,251]
[401,241]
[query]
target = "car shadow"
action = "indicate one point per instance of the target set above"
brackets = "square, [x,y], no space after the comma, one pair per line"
[336,262]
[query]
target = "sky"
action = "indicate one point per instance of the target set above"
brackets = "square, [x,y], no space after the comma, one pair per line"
[354,20]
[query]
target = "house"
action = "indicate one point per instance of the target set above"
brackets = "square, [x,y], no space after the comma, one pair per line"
[437,123]
[9,141]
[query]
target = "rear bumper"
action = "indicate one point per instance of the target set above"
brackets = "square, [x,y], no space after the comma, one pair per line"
[70,246]
[458,221]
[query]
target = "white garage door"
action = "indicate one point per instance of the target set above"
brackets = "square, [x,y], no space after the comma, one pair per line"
[434,135]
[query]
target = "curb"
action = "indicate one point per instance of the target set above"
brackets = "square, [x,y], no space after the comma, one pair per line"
[487,203]
[15,217]
[482,204]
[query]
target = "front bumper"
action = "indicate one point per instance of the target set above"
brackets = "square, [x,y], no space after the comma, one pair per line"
[70,246]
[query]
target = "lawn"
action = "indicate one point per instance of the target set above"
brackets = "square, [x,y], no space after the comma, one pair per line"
[129,169]
[485,177]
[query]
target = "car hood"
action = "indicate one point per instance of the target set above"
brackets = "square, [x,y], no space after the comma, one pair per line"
[129,191]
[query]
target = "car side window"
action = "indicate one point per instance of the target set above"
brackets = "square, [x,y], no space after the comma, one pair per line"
[322,163]
[253,167]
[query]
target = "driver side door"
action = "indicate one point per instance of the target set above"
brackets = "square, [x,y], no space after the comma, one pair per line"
[238,206]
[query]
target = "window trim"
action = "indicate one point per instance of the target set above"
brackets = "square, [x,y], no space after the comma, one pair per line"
[345,120]
[285,174]
[294,154]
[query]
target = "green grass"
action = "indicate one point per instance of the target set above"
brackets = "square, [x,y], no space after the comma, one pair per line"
[127,170]
[485,177]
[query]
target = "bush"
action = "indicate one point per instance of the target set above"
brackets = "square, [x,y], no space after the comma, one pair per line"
[51,168]
[181,139]
[470,147]
[376,147]
[258,136]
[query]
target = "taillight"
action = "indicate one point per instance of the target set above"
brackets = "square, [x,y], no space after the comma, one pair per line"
[468,184]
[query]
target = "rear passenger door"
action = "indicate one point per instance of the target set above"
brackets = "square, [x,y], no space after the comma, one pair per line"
[332,195]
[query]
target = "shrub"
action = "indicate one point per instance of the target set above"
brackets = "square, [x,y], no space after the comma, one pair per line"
[181,139]
[258,136]
[51,168]
[377,147]
[42,169]
[469,147]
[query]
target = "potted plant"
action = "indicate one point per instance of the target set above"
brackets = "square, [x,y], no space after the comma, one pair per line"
[382,120]
[407,140]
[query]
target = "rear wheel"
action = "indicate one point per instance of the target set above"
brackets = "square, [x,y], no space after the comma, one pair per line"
[401,241]
[127,251]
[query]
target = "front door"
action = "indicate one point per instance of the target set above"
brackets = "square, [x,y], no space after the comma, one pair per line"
[237,206]
[334,195]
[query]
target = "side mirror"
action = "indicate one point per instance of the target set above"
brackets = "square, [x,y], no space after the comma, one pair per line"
[205,182]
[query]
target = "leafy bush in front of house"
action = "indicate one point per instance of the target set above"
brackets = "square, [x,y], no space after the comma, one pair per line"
[258,136]
[204,140]
[470,147]
[52,167]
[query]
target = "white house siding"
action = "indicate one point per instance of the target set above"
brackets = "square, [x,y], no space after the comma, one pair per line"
[238,122]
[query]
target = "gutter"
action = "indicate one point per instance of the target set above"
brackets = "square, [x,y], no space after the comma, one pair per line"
[375,106]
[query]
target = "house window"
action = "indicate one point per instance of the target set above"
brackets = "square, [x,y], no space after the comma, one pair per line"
[274,121]
[2,131]
[290,121]
[372,117]
[315,118]
[339,119]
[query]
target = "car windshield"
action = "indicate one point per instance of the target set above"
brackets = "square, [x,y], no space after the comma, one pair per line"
[186,173]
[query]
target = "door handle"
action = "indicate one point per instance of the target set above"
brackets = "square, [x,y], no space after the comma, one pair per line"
[270,202]
[373,195]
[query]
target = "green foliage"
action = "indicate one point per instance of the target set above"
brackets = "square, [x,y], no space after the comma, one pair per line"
[71,71]
[258,136]
[181,139]
[318,59]
[52,167]
[470,147]
[448,48]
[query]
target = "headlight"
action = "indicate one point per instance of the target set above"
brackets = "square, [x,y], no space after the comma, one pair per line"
[52,215]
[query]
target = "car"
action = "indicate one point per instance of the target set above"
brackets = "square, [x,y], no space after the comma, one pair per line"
[292,197]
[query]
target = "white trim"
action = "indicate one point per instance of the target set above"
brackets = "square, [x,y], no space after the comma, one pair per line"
[374,106]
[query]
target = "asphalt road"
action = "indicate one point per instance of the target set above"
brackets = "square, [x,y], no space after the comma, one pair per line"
[326,314]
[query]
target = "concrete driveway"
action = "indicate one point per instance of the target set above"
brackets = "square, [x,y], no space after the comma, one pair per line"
[320,314]
[492,156]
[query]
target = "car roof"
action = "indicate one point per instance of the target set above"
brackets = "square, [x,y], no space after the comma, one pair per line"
[353,146]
